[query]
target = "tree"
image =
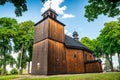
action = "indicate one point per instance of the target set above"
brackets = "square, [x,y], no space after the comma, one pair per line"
[20,5]
[6,34]
[109,39]
[95,8]
[8,60]
[30,48]
[114,36]
[87,42]
[94,45]
[107,65]
[23,41]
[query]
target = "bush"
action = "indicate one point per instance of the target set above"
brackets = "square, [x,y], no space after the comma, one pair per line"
[5,72]
[14,71]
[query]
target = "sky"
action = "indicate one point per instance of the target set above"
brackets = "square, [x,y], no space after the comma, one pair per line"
[71,13]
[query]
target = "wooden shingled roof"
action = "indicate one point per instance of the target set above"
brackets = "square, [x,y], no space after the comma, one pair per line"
[74,44]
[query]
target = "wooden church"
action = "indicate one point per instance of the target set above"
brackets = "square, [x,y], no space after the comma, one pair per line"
[56,53]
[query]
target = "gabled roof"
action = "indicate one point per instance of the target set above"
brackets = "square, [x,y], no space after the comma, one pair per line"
[72,43]
[50,18]
[51,10]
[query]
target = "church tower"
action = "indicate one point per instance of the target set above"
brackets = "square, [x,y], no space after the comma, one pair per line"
[48,47]
[75,35]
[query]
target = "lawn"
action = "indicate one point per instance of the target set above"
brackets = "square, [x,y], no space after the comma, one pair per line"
[93,76]
[8,77]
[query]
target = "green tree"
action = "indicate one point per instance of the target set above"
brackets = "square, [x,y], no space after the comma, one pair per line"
[14,71]
[113,35]
[95,8]
[23,40]
[30,48]
[87,42]
[93,44]
[20,5]
[6,34]
[109,39]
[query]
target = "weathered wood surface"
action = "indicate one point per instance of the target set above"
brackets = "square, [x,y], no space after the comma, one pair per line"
[56,58]
[50,56]
[74,61]
[40,55]
[56,31]
[41,31]
[49,29]
[88,56]
[93,67]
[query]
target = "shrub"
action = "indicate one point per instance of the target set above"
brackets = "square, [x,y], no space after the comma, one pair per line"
[6,72]
[14,71]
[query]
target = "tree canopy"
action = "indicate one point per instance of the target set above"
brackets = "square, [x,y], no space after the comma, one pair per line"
[23,42]
[20,5]
[95,8]
[6,34]
[110,39]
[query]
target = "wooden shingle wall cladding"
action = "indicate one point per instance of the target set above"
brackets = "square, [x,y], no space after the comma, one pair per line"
[56,58]
[41,31]
[74,61]
[93,67]
[56,31]
[39,59]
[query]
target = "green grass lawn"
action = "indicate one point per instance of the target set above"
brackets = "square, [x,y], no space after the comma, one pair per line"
[8,77]
[95,76]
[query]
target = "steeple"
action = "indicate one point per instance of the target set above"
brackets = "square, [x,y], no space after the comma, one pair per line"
[75,35]
[50,13]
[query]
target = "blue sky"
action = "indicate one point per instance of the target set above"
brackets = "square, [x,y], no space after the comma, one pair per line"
[74,9]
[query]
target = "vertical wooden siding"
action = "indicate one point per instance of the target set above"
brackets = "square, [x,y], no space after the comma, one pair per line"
[49,29]
[56,58]
[93,67]
[41,31]
[40,52]
[74,61]
[88,56]
[56,31]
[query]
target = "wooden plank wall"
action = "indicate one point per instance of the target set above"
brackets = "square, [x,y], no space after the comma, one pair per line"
[40,51]
[49,29]
[56,31]
[56,58]
[88,56]
[41,31]
[93,67]
[74,61]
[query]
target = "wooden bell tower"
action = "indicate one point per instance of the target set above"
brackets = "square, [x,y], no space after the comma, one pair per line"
[48,47]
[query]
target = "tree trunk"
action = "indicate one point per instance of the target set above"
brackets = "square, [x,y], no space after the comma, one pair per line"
[111,63]
[4,64]
[118,59]
[28,67]
[20,71]
[21,56]
[3,69]
[109,58]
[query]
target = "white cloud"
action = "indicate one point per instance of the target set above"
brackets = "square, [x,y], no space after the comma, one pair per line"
[68,16]
[68,33]
[55,5]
